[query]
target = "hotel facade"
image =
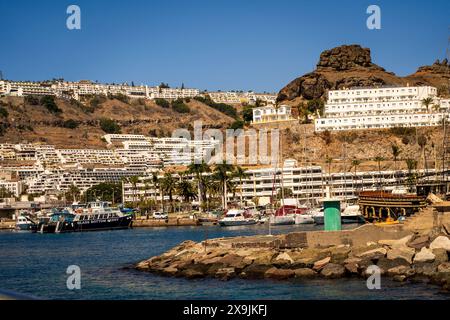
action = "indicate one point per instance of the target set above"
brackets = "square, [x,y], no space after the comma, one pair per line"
[386,107]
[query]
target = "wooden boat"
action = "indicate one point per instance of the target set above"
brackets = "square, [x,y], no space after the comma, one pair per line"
[379,206]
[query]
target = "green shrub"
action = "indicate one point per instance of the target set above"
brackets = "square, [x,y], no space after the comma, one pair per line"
[109,125]
[402,131]
[32,100]
[162,103]
[70,124]
[49,103]
[3,112]
[238,124]
[180,107]
[120,97]
[222,107]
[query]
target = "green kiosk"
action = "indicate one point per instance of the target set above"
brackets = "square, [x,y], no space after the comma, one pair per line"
[332,214]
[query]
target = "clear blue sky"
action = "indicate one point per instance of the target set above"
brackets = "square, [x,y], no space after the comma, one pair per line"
[211,44]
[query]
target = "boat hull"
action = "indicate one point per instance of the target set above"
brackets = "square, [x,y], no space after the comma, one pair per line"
[236,223]
[124,222]
[282,220]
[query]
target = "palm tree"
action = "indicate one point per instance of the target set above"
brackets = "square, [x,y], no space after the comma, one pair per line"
[157,186]
[355,164]
[221,173]
[169,185]
[240,173]
[186,190]
[411,164]
[134,180]
[379,159]
[426,102]
[395,150]
[422,142]
[73,192]
[198,169]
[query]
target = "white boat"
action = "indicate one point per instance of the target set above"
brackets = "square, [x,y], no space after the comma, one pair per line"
[235,217]
[305,218]
[282,220]
[24,223]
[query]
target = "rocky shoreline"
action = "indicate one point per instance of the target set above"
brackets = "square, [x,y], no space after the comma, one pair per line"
[414,257]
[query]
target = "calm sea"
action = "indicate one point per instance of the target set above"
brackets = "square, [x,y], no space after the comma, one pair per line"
[36,264]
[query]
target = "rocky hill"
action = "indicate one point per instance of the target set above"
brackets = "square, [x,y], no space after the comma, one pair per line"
[351,66]
[75,125]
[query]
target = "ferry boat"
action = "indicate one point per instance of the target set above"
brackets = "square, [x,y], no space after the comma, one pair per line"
[25,223]
[235,217]
[96,216]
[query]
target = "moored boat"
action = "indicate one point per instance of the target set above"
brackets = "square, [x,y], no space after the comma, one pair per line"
[25,223]
[235,217]
[96,216]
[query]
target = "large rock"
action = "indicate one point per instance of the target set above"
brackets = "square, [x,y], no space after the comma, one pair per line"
[254,271]
[234,261]
[283,259]
[396,243]
[333,270]
[225,273]
[279,274]
[424,255]
[425,269]
[304,273]
[401,270]
[385,264]
[441,242]
[318,265]
[418,242]
[373,254]
[345,57]
[339,254]
[401,252]
[441,255]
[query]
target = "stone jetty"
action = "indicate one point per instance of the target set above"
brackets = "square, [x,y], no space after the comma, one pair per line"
[413,251]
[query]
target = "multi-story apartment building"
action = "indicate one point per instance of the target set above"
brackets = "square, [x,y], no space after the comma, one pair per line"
[385,107]
[306,183]
[270,113]
[174,93]
[226,97]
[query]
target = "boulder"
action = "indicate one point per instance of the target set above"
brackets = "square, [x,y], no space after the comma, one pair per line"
[385,264]
[225,273]
[283,259]
[333,270]
[401,252]
[418,242]
[401,270]
[351,265]
[425,269]
[444,267]
[171,271]
[260,257]
[318,265]
[424,255]
[441,242]
[234,261]
[396,243]
[143,265]
[441,255]
[279,274]
[304,273]
[254,271]
[373,254]
[339,254]
[192,274]
[400,278]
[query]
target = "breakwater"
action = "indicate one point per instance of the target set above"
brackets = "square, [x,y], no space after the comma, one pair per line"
[414,251]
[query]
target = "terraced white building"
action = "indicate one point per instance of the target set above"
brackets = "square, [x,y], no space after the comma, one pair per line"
[385,107]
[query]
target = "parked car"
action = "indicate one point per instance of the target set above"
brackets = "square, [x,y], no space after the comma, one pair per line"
[160,215]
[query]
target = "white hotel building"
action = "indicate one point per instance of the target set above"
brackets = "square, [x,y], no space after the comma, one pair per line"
[270,114]
[386,107]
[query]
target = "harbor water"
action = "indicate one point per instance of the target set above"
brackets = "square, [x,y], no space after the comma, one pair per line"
[36,264]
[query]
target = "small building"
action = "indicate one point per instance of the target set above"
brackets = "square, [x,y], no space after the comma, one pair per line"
[271,113]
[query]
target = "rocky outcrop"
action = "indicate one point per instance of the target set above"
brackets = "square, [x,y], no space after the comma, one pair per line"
[350,66]
[224,260]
